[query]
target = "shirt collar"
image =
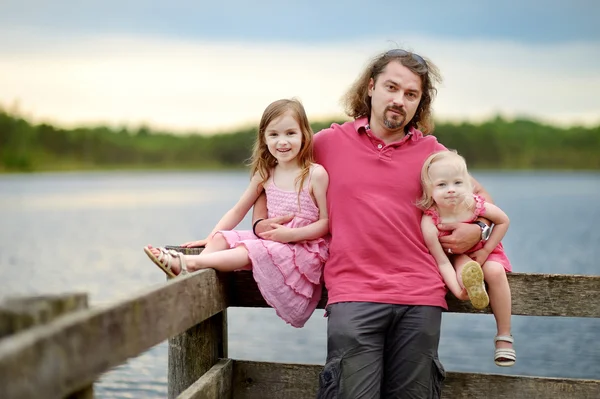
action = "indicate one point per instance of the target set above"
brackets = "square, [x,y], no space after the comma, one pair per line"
[362,124]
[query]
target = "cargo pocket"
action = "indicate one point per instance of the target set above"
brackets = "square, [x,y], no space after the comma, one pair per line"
[329,380]
[437,378]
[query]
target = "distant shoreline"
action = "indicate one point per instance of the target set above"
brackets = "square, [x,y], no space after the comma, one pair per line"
[150,169]
[497,144]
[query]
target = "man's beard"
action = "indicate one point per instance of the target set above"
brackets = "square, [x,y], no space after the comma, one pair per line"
[394,124]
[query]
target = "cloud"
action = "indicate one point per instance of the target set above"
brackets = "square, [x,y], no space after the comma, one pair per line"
[209,86]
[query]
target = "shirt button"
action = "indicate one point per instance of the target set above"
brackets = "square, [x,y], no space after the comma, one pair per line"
[379,146]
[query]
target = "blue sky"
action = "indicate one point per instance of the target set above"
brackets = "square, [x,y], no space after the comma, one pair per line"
[531,21]
[181,64]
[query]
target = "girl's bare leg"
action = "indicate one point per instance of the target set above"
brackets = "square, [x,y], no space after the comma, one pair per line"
[216,255]
[459,262]
[500,300]
[224,261]
[216,243]
[219,256]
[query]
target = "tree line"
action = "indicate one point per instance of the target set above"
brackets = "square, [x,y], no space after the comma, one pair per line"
[495,144]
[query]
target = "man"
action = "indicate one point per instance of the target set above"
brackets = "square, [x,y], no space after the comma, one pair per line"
[386,294]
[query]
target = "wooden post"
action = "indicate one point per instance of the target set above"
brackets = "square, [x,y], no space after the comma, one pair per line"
[85,393]
[17,314]
[194,352]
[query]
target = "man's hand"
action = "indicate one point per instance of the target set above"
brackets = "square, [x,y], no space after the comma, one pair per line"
[267,224]
[278,233]
[463,237]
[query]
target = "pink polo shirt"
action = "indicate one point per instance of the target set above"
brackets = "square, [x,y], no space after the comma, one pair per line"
[377,251]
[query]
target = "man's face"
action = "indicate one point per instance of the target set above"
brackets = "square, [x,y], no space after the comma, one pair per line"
[395,97]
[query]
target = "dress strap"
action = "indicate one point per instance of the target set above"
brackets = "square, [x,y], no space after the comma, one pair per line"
[310,172]
[479,206]
[434,215]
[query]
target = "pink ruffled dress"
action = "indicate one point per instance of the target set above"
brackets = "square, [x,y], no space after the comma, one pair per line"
[288,275]
[497,255]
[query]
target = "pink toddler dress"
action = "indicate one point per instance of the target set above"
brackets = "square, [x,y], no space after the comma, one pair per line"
[288,275]
[497,255]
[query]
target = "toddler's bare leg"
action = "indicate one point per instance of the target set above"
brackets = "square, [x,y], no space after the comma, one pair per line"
[470,276]
[459,262]
[500,300]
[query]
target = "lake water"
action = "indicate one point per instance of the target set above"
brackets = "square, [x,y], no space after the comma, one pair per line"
[85,232]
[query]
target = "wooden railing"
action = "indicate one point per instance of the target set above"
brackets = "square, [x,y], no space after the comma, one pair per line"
[54,347]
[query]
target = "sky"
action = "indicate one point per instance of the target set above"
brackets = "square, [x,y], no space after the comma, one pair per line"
[198,66]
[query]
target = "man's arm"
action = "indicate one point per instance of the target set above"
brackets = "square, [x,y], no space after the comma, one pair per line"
[479,190]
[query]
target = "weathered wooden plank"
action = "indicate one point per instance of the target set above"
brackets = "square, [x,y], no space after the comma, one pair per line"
[495,386]
[194,352]
[77,348]
[259,380]
[532,294]
[215,384]
[186,251]
[548,295]
[20,313]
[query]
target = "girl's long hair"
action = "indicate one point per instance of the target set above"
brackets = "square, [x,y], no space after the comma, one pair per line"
[458,162]
[263,161]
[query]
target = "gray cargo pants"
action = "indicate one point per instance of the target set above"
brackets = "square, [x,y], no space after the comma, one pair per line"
[386,351]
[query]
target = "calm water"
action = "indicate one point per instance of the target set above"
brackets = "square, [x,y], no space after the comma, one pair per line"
[85,232]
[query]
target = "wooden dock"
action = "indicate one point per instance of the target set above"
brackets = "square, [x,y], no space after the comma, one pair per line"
[56,347]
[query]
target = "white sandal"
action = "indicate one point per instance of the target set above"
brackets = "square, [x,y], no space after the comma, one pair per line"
[504,357]
[165,259]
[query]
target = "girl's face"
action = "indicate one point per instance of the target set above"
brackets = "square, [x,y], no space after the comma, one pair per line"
[449,184]
[284,138]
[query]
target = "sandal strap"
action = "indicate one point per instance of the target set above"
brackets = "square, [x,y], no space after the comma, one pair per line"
[169,255]
[508,354]
[182,265]
[505,351]
[504,338]
[176,254]
[164,258]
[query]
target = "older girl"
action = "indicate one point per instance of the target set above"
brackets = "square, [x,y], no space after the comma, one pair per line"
[288,267]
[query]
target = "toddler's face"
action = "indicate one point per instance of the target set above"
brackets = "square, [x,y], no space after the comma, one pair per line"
[449,184]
